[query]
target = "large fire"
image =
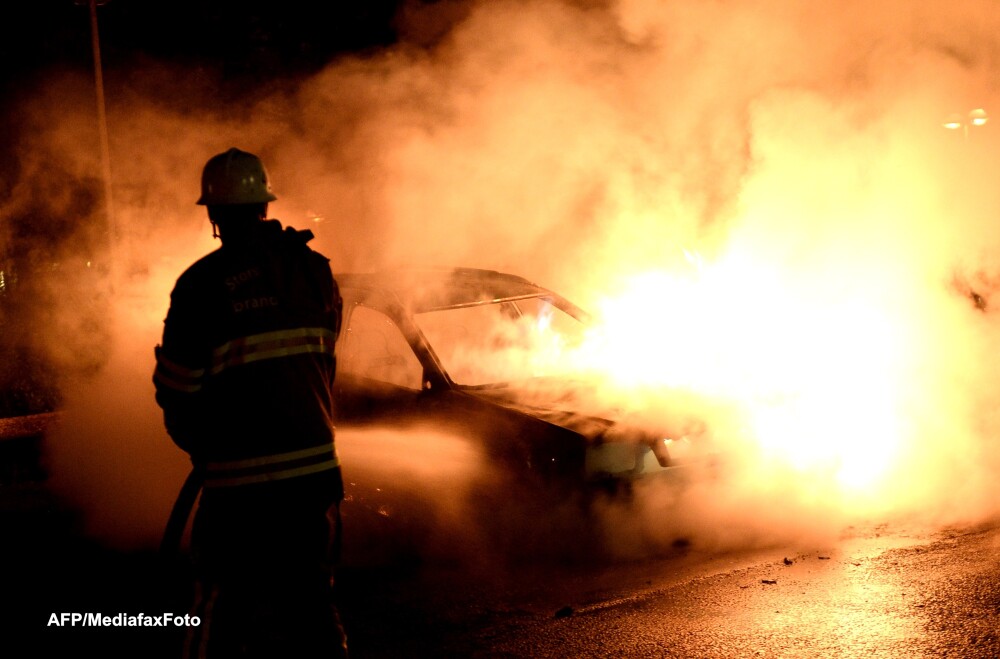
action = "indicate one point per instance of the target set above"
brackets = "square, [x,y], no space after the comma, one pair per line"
[815,381]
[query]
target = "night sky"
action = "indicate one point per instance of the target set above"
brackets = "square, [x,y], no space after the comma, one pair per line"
[243,41]
[219,52]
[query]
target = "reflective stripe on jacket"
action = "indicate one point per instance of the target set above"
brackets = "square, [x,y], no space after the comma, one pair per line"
[270,468]
[243,350]
[174,376]
[271,345]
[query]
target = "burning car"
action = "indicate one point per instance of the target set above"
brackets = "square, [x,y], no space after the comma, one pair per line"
[476,353]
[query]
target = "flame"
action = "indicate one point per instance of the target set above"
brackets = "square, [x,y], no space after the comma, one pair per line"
[815,381]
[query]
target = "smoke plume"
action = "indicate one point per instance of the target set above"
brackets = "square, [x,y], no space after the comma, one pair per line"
[809,248]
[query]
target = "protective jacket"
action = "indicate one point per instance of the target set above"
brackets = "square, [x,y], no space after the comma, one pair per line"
[245,368]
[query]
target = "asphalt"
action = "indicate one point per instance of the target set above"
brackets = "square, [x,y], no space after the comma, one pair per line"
[881,593]
[871,597]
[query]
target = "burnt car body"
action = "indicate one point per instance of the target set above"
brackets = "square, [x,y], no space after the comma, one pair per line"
[444,349]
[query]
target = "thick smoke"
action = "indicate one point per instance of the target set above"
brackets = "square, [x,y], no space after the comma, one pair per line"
[781,167]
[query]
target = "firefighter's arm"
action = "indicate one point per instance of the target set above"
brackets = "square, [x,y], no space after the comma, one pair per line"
[181,365]
[178,394]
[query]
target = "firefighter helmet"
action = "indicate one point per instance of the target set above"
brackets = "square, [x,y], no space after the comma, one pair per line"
[235,177]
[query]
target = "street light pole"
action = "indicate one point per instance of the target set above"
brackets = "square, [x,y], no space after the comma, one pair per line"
[102,130]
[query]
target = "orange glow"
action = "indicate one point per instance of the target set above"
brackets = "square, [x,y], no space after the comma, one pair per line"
[814,380]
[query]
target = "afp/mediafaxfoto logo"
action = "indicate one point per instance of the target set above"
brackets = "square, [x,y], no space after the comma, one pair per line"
[122,620]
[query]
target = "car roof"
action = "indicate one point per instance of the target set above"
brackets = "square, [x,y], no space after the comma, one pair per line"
[429,289]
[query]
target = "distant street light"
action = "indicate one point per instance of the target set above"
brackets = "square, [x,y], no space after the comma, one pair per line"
[975,118]
[102,126]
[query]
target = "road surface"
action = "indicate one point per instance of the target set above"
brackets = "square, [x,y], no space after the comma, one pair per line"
[880,592]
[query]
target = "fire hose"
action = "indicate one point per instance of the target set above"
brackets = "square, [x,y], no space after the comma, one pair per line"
[170,544]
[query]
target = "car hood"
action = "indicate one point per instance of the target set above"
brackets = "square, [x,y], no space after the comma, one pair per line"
[569,405]
[679,436]
[617,444]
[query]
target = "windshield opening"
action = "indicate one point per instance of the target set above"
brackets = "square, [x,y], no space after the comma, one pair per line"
[498,342]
